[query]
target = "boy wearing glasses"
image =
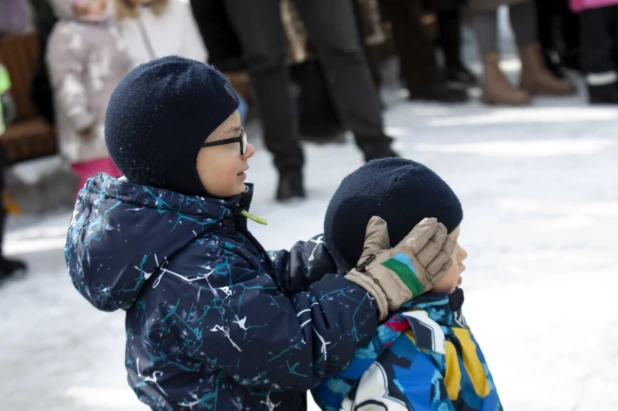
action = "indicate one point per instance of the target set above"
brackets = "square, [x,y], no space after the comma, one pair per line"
[213,322]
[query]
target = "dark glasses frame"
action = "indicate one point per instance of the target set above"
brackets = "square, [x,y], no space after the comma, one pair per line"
[242,139]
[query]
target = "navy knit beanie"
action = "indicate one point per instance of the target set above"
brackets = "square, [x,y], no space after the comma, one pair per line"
[159,116]
[400,191]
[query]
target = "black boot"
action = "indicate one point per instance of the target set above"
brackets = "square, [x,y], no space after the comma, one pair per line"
[290,185]
[603,94]
[440,93]
[460,76]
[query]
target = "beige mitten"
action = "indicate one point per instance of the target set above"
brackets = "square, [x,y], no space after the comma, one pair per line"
[396,275]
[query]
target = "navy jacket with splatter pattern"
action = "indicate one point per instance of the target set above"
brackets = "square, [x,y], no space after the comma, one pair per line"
[210,322]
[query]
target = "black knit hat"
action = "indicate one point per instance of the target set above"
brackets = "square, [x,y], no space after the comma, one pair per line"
[159,116]
[400,191]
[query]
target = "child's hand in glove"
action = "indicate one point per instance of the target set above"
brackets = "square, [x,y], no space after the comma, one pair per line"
[396,275]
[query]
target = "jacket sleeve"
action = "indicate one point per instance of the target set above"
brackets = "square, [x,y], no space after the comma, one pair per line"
[233,317]
[67,59]
[306,263]
[222,42]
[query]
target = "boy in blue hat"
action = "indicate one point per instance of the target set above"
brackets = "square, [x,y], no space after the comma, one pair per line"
[212,321]
[425,356]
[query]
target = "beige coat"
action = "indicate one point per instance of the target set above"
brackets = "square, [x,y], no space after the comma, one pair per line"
[491,4]
[86,60]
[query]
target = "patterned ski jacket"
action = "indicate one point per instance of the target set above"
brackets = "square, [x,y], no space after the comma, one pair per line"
[424,358]
[210,322]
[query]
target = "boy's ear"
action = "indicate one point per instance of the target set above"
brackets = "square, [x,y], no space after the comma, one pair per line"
[376,237]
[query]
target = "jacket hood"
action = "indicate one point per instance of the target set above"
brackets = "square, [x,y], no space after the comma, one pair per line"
[121,234]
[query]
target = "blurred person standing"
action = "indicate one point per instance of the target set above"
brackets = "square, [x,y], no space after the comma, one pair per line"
[535,77]
[416,51]
[332,30]
[86,58]
[599,48]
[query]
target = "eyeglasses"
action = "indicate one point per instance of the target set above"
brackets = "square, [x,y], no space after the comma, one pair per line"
[242,139]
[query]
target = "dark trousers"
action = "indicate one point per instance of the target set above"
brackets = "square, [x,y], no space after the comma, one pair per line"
[317,116]
[332,30]
[599,39]
[413,44]
[449,26]
[547,11]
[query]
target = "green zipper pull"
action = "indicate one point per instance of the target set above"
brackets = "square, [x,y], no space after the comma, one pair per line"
[252,217]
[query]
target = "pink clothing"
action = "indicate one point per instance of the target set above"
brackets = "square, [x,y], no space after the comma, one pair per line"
[581,5]
[87,169]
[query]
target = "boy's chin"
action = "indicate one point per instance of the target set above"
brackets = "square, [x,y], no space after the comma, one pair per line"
[241,190]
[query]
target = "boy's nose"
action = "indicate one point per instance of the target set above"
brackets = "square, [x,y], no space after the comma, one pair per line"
[250,151]
[462,254]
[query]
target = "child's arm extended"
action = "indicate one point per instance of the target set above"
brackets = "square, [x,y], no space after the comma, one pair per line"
[305,263]
[67,60]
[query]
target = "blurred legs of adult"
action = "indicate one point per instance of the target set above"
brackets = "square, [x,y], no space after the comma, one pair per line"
[332,30]
[449,26]
[570,35]
[318,120]
[547,13]
[7,266]
[416,51]
[599,55]
[535,77]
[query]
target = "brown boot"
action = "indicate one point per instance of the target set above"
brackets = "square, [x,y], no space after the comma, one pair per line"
[536,78]
[496,87]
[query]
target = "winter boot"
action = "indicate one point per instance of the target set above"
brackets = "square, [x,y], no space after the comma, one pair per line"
[440,93]
[496,87]
[460,75]
[536,78]
[290,185]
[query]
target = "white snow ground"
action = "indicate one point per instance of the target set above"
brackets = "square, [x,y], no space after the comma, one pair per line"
[539,189]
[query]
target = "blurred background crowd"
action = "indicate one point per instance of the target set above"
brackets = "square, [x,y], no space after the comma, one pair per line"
[307,70]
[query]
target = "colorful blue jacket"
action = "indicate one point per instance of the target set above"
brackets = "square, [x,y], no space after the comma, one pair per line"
[424,358]
[211,322]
